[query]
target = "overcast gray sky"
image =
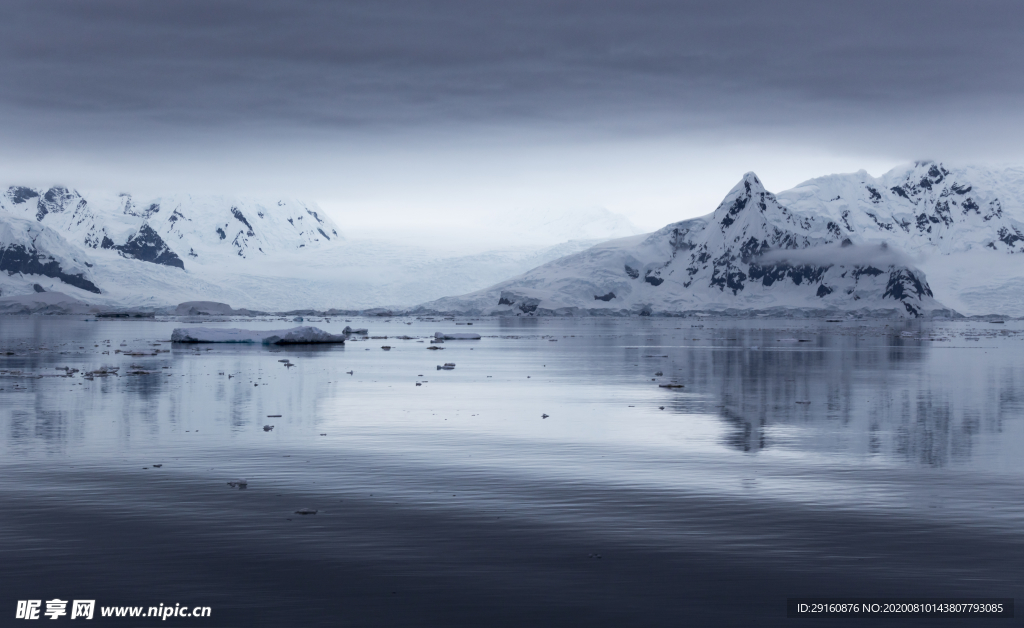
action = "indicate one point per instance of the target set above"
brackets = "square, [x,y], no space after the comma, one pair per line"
[405,111]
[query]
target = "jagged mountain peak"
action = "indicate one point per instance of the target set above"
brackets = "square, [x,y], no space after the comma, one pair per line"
[748,190]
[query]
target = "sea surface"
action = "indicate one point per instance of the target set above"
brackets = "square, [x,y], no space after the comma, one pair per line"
[552,478]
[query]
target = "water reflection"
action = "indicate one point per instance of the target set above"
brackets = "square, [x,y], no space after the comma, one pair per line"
[922,397]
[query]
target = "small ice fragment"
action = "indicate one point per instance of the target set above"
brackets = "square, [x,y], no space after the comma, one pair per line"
[461,336]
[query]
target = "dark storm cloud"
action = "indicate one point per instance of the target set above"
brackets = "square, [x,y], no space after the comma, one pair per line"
[410,63]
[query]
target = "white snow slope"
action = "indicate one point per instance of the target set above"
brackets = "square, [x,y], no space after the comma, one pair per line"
[836,244]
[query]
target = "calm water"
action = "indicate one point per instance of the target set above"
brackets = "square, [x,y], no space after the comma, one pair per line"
[798,459]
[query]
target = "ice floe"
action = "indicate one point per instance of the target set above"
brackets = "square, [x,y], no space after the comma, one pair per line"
[460,336]
[293,336]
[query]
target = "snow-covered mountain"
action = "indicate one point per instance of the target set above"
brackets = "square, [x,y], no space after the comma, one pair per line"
[838,243]
[175,229]
[752,253]
[121,250]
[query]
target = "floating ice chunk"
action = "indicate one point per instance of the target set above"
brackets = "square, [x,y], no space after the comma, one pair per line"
[443,336]
[293,336]
[361,331]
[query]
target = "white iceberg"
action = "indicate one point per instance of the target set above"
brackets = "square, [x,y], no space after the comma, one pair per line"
[293,336]
[443,336]
[362,331]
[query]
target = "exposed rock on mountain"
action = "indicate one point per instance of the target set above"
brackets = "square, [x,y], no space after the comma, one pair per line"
[147,246]
[30,249]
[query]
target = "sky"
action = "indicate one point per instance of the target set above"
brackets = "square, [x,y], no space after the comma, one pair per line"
[406,114]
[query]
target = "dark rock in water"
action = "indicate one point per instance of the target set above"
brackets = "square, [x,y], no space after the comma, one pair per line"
[18,259]
[306,511]
[606,297]
[38,288]
[147,246]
